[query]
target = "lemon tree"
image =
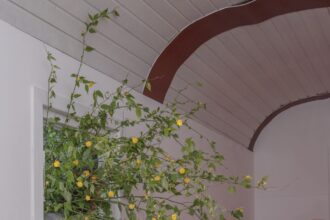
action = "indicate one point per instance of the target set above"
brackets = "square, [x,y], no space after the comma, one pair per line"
[88,169]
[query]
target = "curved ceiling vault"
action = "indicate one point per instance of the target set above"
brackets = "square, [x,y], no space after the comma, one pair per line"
[254,61]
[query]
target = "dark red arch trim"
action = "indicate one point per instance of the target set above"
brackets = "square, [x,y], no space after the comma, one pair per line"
[279,111]
[193,36]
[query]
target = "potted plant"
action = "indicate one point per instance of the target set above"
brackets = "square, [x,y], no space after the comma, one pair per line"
[90,172]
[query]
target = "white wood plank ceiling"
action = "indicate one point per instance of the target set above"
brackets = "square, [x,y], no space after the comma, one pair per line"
[246,73]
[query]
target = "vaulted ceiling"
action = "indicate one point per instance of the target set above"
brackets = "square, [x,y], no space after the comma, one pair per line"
[243,74]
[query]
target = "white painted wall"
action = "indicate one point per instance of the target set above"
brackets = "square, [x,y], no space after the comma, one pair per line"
[293,151]
[23,65]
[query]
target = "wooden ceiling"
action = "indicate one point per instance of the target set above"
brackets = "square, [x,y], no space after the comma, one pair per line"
[246,73]
[249,72]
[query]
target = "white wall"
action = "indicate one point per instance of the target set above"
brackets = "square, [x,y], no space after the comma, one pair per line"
[293,151]
[22,66]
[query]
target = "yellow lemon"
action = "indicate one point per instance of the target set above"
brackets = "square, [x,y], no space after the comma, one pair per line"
[138,162]
[57,164]
[174,216]
[88,198]
[157,178]
[75,162]
[88,144]
[131,206]
[135,140]
[186,180]
[86,173]
[79,184]
[146,195]
[94,178]
[182,170]
[247,178]
[179,122]
[241,210]
[111,194]
[91,84]
[153,218]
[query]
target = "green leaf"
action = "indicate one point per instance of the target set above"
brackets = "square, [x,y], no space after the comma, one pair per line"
[89,48]
[76,95]
[87,88]
[92,30]
[98,93]
[90,16]
[231,189]
[115,13]
[67,195]
[138,111]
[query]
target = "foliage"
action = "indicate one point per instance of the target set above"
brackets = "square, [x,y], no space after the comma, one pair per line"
[89,169]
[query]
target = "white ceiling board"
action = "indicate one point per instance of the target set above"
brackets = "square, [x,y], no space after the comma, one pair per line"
[287,57]
[211,121]
[270,97]
[71,26]
[290,38]
[186,9]
[248,77]
[217,97]
[323,18]
[288,82]
[220,50]
[219,72]
[110,29]
[220,111]
[241,35]
[307,45]
[219,4]
[29,23]
[203,6]
[215,80]
[169,13]
[318,51]
[143,12]
[133,25]
[132,63]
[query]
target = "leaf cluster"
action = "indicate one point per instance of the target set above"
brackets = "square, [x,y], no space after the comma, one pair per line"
[89,169]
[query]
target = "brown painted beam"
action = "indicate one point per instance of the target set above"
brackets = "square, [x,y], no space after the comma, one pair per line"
[279,111]
[196,34]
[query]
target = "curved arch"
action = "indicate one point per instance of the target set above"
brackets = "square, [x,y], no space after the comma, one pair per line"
[193,36]
[279,111]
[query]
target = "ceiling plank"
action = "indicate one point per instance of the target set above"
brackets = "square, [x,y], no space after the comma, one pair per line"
[146,14]
[133,25]
[213,122]
[231,52]
[169,13]
[212,93]
[274,63]
[113,31]
[73,27]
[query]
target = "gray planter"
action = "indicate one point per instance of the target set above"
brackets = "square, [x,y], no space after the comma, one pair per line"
[53,216]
